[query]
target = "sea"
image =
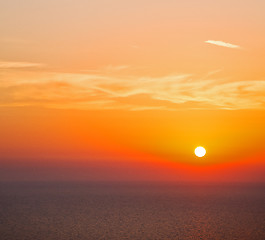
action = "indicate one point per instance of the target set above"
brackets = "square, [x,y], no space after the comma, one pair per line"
[131,210]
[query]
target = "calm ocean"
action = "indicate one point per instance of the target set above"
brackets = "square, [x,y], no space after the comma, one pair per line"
[71,211]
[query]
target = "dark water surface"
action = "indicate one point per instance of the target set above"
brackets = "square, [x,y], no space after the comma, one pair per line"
[64,211]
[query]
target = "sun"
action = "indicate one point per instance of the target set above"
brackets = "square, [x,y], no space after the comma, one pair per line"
[200,151]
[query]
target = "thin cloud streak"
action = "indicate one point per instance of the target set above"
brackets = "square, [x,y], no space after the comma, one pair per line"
[117,68]
[222,44]
[7,64]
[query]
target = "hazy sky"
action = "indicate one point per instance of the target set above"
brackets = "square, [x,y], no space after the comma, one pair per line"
[115,85]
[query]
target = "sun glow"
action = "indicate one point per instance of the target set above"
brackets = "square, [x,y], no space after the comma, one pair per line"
[200,151]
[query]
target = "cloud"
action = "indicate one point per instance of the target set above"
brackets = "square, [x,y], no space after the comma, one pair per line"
[135,46]
[108,69]
[222,44]
[13,40]
[117,68]
[94,91]
[6,64]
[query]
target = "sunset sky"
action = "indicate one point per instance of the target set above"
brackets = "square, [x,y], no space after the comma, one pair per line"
[126,90]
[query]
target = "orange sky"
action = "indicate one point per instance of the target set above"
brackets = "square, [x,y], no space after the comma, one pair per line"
[125,90]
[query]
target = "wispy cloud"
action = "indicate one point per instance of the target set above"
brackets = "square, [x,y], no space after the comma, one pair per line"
[222,44]
[92,91]
[108,69]
[135,46]
[117,68]
[7,64]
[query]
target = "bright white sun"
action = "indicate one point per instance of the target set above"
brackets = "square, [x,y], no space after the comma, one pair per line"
[200,151]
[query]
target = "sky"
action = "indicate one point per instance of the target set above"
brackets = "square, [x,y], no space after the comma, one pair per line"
[114,90]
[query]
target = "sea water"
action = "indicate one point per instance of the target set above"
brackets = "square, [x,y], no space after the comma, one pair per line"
[71,211]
